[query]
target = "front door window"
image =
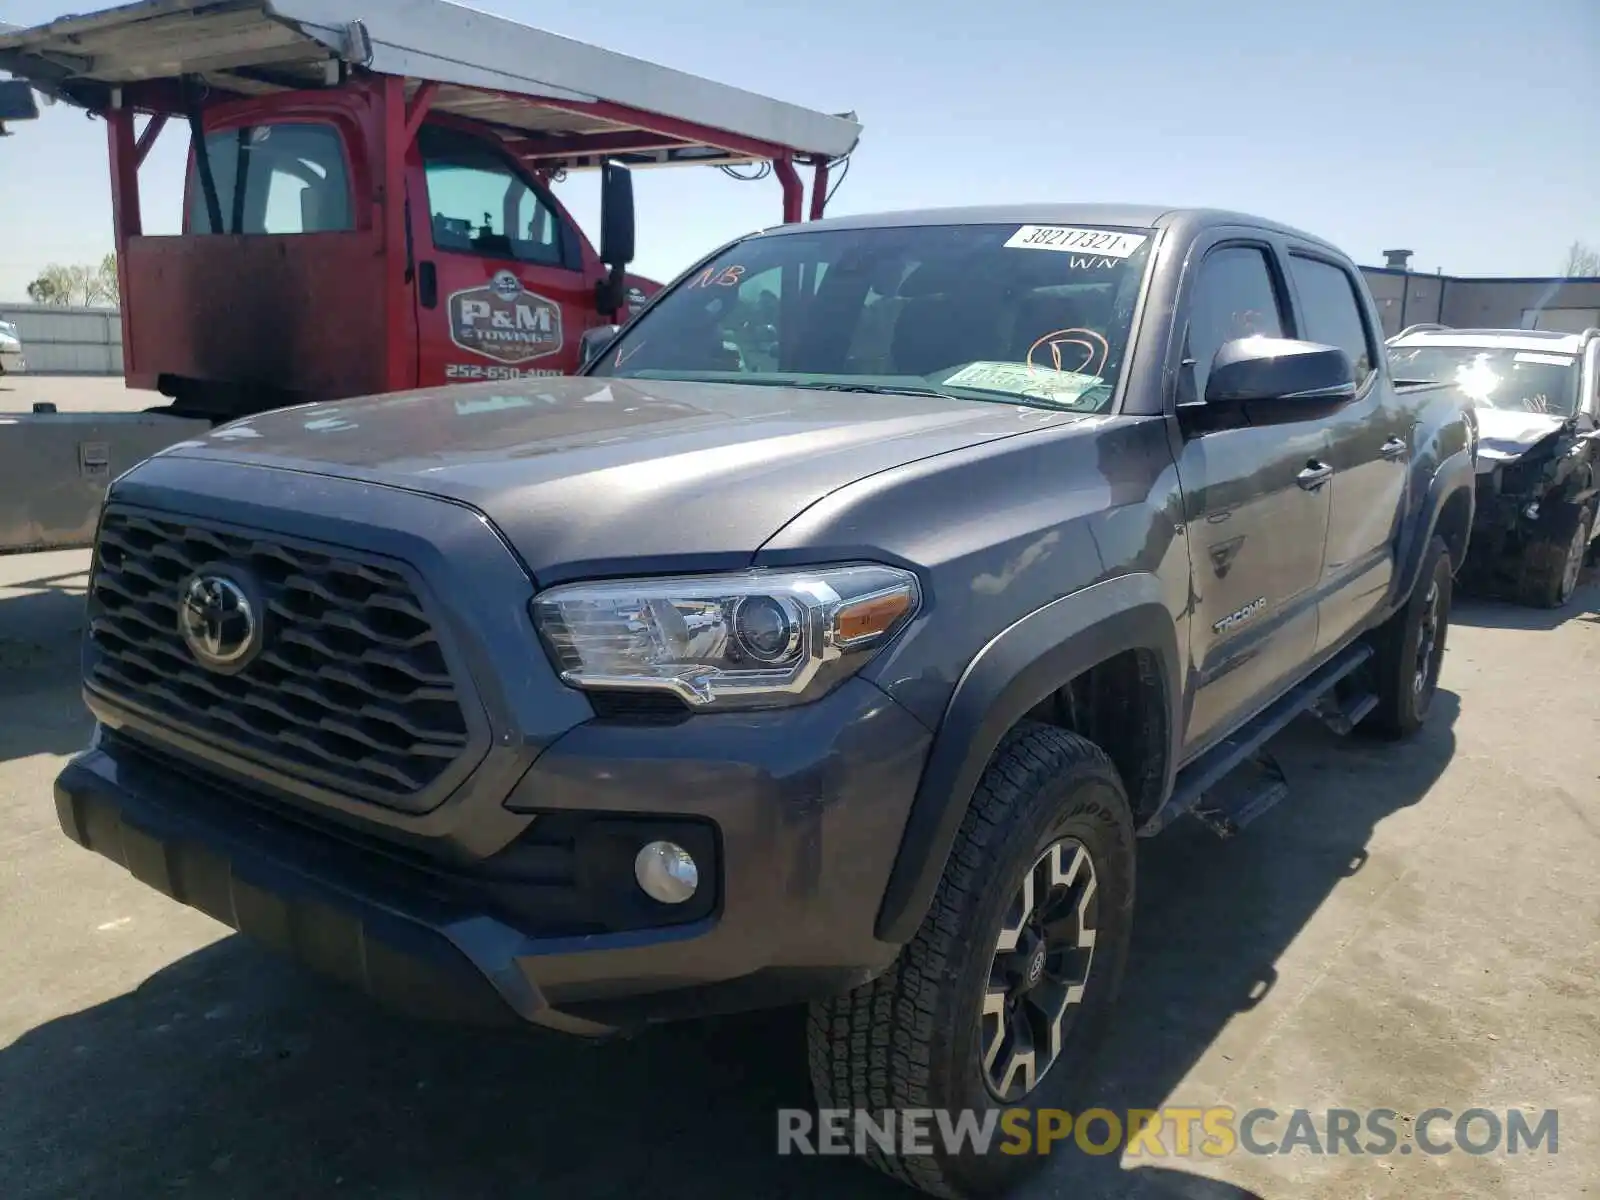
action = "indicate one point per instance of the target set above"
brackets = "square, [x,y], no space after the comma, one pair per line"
[501,290]
[478,203]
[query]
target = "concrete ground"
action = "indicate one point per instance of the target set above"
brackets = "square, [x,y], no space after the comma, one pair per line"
[1418,926]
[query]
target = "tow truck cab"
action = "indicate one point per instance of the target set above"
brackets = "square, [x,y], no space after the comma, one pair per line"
[369,201]
[497,282]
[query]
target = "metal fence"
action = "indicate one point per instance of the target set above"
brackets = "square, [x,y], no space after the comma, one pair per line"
[68,341]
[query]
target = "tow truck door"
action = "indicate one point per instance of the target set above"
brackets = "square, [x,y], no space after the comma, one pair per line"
[501,286]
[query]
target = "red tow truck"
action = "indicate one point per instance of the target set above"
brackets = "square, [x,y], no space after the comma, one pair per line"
[369,204]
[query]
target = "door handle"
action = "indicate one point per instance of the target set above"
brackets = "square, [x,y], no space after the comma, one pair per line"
[1395,448]
[427,285]
[1314,476]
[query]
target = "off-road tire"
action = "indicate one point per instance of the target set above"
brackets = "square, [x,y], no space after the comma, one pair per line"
[1548,578]
[1403,705]
[911,1039]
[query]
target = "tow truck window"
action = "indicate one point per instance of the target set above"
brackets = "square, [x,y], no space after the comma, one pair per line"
[479,204]
[1330,313]
[274,179]
[1495,377]
[967,310]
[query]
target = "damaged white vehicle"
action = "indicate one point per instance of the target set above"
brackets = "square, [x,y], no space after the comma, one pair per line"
[1536,400]
[11,360]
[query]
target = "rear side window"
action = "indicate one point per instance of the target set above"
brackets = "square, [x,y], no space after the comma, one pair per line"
[1234,297]
[1331,313]
[283,178]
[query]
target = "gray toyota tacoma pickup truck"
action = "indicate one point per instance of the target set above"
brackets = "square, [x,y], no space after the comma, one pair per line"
[830,640]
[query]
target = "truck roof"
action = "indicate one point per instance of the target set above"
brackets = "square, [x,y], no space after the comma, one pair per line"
[1547,340]
[1134,216]
[487,68]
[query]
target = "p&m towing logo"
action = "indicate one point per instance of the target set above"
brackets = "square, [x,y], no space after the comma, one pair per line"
[504,321]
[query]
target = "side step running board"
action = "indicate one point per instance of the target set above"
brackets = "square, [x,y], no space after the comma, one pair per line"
[1342,717]
[1196,780]
[1248,791]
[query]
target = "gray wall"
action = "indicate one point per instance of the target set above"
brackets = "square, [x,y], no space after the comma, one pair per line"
[68,341]
[1408,299]
[1495,303]
[1404,299]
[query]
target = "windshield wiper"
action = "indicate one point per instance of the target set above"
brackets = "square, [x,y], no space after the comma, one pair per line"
[877,389]
[1099,391]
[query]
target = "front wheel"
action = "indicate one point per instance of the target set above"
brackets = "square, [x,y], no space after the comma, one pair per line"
[1552,565]
[1000,999]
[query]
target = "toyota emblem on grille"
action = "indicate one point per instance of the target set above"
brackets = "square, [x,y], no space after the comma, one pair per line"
[218,622]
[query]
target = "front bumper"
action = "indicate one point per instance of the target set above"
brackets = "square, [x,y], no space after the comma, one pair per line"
[12,361]
[806,807]
[1511,502]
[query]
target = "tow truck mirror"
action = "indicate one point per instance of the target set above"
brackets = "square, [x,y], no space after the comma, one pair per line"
[17,102]
[1274,381]
[594,341]
[616,237]
[616,215]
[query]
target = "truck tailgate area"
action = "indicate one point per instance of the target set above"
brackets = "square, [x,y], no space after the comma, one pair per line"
[55,468]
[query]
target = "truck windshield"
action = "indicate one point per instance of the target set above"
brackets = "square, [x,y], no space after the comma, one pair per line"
[1027,314]
[283,178]
[1520,380]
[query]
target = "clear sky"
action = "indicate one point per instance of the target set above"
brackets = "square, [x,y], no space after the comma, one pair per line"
[1467,130]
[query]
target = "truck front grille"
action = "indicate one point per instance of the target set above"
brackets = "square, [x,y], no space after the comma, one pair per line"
[350,688]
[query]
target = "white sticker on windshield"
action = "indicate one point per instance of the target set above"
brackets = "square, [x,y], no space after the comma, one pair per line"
[1548,360]
[1069,240]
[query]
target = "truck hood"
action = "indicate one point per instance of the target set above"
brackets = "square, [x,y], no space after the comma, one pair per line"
[1505,434]
[588,476]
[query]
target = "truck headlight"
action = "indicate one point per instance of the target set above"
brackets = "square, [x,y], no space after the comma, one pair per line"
[755,639]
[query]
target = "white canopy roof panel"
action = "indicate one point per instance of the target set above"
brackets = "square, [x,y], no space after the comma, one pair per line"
[487,67]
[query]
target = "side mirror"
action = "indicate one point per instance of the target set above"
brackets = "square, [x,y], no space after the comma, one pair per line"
[616,215]
[1273,381]
[594,342]
[616,237]
[17,102]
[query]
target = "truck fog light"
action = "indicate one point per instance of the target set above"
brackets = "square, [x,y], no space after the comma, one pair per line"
[667,872]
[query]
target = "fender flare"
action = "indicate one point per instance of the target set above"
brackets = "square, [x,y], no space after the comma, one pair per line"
[1020,667]
[1456,474]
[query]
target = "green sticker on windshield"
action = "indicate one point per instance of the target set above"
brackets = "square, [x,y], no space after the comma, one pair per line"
[1020,379]
[467,408]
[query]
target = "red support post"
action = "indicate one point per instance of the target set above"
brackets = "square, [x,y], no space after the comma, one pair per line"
[126,219]
[794,192]
[819,189]
[418,109]
[147,139]
[400,361]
